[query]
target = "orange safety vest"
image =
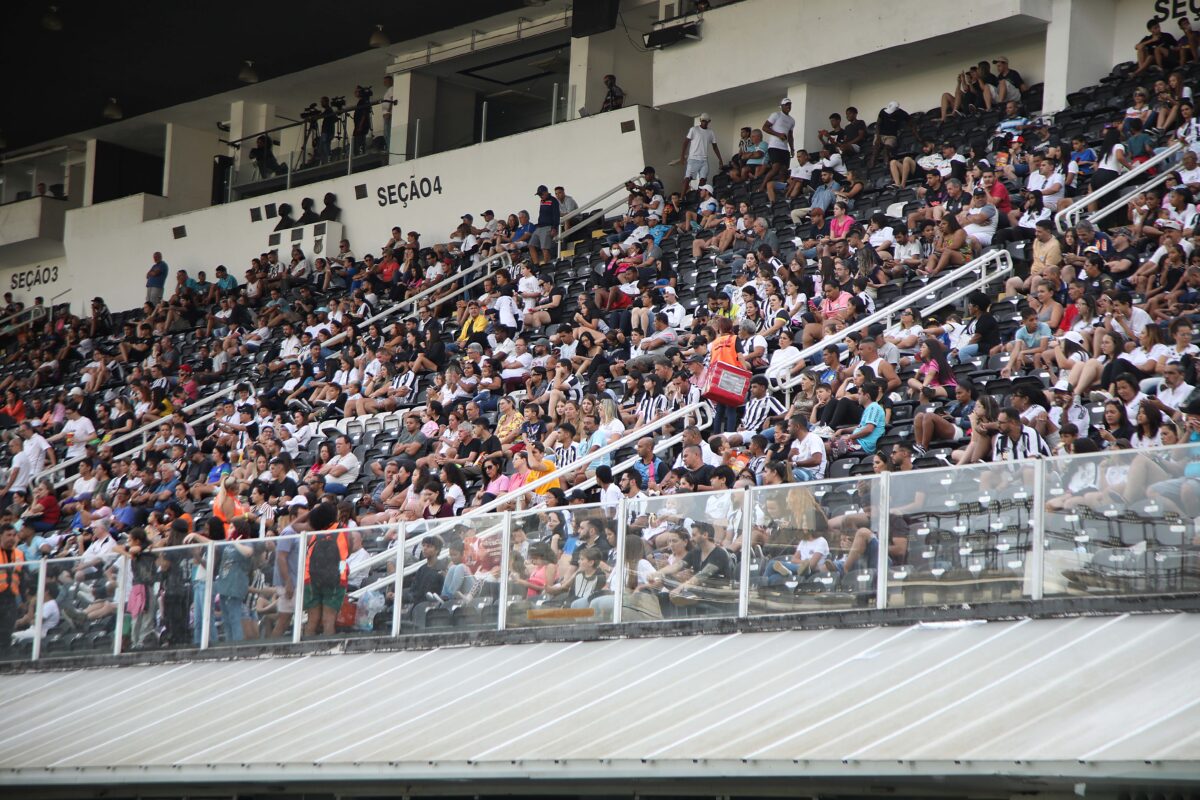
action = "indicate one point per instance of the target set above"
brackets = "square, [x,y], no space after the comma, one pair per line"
[10,579]
[343,545]
[238,511]
[724,350]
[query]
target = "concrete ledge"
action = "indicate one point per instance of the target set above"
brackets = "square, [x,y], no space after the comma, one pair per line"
[867,617]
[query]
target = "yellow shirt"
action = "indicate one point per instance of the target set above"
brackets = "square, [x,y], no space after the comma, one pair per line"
[537,472]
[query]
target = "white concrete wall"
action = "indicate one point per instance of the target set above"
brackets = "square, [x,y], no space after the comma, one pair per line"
[919,85]
[45,278]
[767,41]
[109,245]
[1131,17]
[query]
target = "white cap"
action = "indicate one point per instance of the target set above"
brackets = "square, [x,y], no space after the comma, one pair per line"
[891,107]
[75,392]
[787,101]
[298,500]
[668,290]
[1062,386]
[705,117]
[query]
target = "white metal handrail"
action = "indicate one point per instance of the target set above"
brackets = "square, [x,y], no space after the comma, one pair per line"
[564,231]
[45,311]
[1069,216]
[61,466]
[582,208]
[944,300]
[885,315]
[503,257]
[1158,180]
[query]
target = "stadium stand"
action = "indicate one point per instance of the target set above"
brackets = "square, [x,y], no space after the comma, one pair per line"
[507,427]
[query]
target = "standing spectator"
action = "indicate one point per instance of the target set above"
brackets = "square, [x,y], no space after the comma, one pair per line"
[695,152]
[156,279]
[614,96]
[780,144]
[10,585]
[542,240]
[887,132]
[326,573]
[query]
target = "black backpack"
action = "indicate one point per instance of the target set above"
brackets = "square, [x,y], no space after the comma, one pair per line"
[325,563]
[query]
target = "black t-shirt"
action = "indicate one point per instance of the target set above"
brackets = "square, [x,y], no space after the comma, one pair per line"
[1013,77]
[988,331]
[889,124]
[717,558]
[556,312]
[953,205]
[477,446]
[702,476]
[284,488]
[853,130]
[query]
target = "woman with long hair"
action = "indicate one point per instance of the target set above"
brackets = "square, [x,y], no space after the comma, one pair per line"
[1149,428]
[1112,161]
[1114,425]
[933,372]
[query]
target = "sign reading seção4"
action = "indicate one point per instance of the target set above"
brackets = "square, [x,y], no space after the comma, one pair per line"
[34,277]
[1173,9]
[406,191]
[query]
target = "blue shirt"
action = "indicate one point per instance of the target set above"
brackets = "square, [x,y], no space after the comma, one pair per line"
[158,276]
[227,284]
[1032,340]
[872,415]
[599,439]
[523,232]
[1086,154]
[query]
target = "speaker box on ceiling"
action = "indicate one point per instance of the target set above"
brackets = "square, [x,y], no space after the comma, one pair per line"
[593,17]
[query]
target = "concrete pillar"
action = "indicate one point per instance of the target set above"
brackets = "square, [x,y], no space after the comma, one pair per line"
[416,99]
[89,172]
[812,104]
[246,119]
[1077,51]
[188,167]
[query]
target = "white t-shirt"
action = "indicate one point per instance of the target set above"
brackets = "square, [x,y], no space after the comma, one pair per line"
[807,547]
[350,462]
[700,141]
[610,497]
[1173,398]
[22,466]
[883,236]
[1109,162]
[35,448]
[804,449]
[782,123]
[78,431]
[988,228]
[804,172]
[1190,175]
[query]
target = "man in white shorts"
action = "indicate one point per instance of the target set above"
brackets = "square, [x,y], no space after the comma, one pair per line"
[695,152]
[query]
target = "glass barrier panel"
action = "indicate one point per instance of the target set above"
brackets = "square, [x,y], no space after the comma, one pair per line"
[1123,522]
[85,592]
[961,534]
[339,563]
[454,582]
[561,566]
[693,541]
[18,597]
[815,546]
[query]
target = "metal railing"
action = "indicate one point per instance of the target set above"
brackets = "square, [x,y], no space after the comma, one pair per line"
[564,230]
[43,311]
[1002,258]
[1042,540]
[961,292]
[1069,217]
[503,258]
[61,467]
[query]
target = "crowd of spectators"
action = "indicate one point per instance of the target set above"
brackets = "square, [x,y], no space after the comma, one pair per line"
[1087,348]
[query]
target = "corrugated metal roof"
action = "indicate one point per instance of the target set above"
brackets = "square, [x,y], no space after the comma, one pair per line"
[1094,691]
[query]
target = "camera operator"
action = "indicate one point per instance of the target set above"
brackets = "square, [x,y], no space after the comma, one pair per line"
[362,118]
[328,128]
[264,157]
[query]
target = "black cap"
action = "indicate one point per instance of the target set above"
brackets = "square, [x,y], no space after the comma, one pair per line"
[979,192]
[875,329]
[467,216]
[489,212]
[949,143]
[647,168]
[541,190]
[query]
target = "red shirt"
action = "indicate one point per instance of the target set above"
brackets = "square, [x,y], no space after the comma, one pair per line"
[50,510]
[1001,199]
